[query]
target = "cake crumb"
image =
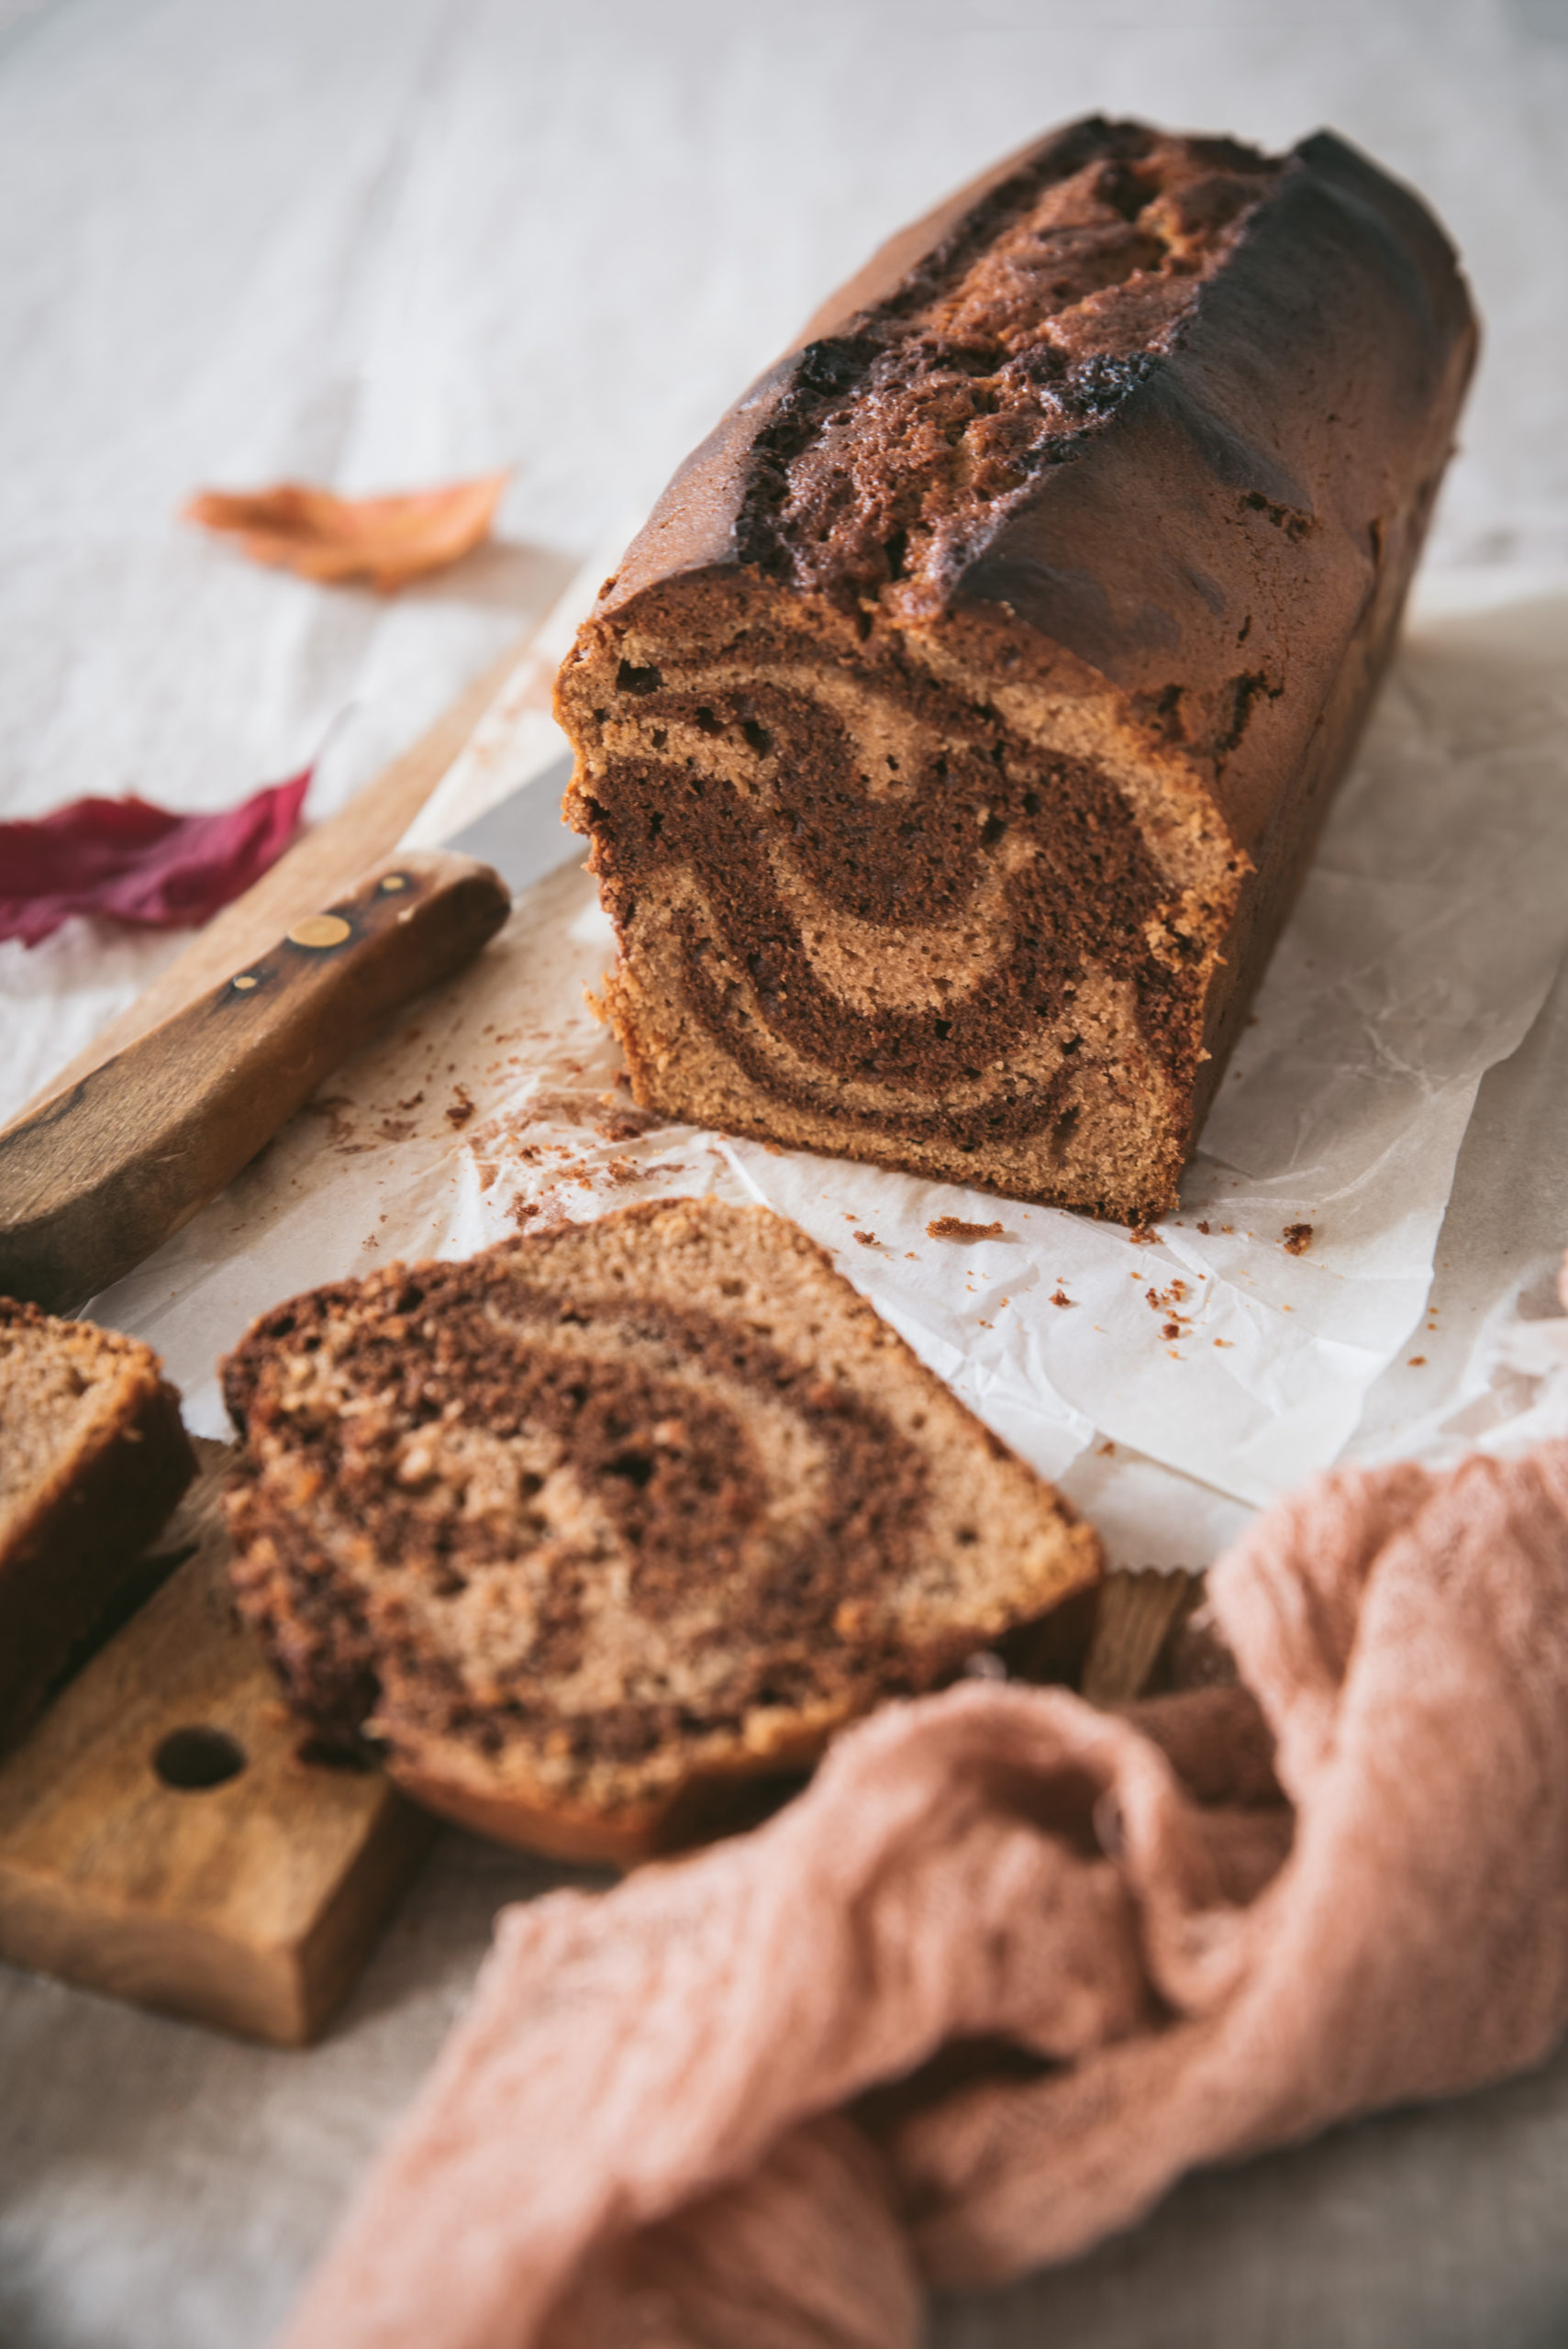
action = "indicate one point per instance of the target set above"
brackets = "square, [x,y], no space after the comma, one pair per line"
[334,1108]
[1298,1238]
[1418,1362]
[952,1227]
[460,1108]
[1141,1237]
[622,1125]
[521,1210]
[1060,1297]
[1172,1329]
[1107,1449]
[866,1238]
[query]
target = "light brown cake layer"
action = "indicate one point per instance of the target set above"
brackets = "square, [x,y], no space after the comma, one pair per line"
[594,1528]
[953,740]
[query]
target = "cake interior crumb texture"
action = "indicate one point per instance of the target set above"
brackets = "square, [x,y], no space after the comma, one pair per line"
[92,1459]
[617,1515]
[952,739]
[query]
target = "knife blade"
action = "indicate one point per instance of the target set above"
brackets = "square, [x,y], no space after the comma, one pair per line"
[522,836]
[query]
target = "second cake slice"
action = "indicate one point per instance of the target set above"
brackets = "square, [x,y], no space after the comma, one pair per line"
[592,1529]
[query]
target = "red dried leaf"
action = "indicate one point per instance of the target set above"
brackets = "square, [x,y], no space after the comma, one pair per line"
[387,540]
[138,863]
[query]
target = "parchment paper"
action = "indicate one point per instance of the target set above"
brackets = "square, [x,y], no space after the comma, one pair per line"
[1425,940]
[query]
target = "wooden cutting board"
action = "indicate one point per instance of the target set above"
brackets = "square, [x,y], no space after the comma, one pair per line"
[169,1834]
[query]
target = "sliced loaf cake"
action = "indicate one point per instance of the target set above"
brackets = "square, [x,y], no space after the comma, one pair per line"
[954,738]
[593,1531]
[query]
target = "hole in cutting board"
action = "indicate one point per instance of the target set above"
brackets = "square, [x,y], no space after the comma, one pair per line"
[192,1759]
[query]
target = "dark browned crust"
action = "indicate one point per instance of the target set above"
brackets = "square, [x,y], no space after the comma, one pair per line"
[508,1345]
[1190,506]
[76,1560]
[707,1804]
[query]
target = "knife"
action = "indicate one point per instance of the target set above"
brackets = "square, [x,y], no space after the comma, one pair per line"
[97,1178]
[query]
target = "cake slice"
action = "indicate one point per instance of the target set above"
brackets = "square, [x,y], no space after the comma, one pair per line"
[595,1528]
[92,1459]
[953,739]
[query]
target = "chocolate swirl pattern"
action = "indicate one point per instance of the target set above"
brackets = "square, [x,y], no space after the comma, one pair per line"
[864,909]
[613,1508]
[954,736]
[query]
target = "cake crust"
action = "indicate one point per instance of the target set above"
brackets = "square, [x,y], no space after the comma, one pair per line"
[953,738]
[94,1457]
[598,1531]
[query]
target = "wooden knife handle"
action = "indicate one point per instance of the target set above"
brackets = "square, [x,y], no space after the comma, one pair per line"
[101,1175]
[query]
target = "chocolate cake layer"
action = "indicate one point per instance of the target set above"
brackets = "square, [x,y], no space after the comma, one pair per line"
[618,1514]
[953,738]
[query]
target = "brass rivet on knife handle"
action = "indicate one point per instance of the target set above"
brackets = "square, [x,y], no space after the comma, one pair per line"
[319,931]
[100,1175]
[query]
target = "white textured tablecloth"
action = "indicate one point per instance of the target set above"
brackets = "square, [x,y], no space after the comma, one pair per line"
[381,242]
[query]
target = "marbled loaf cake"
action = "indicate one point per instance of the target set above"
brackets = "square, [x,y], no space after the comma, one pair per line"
[596,1529]
[952,738]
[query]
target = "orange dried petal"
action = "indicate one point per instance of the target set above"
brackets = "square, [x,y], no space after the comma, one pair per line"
[386,540]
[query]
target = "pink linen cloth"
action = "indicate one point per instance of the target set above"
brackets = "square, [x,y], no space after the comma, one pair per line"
[1011,1965]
